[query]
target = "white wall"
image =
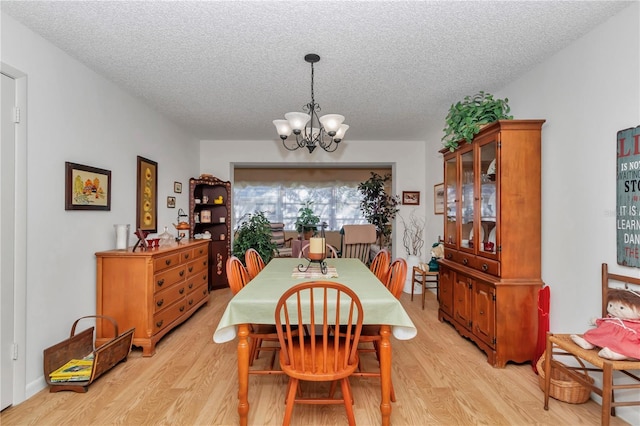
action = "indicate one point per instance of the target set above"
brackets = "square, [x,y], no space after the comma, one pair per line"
[587,93]
[76,115]
[407,158]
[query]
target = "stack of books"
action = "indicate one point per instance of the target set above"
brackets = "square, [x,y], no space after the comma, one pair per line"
[76,370]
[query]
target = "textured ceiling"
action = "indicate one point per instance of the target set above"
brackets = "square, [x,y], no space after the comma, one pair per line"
[226,69]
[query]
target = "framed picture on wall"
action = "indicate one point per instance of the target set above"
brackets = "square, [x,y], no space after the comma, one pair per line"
[438,198]
[147,195]
[87,188]
[411,197]
[177,187]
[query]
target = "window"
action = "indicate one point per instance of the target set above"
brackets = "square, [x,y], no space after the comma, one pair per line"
[280,191]
[336,203]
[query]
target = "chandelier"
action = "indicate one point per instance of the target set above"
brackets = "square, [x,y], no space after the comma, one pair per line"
[325,132]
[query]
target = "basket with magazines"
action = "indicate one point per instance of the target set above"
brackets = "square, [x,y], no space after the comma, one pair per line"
[75,363]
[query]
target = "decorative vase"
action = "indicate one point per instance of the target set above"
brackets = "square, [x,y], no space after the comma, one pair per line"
[412,261]
[122,236]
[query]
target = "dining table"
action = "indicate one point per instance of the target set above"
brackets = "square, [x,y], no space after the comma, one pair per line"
[256,304]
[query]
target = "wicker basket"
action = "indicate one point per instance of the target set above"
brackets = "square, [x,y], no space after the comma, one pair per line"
[563,387]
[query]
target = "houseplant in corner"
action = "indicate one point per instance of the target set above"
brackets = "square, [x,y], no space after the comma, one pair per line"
[378,207]
[254,232]
[307,221]
[466,117]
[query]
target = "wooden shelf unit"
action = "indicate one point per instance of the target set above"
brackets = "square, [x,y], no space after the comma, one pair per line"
[215,204]
[491,273]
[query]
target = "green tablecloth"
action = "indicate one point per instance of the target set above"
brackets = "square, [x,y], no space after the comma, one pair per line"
[256,302]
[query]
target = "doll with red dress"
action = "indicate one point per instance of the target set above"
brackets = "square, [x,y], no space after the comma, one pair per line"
[618,335]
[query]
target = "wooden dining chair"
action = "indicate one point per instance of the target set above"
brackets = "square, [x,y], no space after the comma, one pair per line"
[238,277]
[396,275]
[324,356]
[380,265]
[331,251]
[254,262]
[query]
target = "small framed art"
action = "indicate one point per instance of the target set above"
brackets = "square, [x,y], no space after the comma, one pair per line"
[411,197]
[171,202]
[177,187]
[87,188]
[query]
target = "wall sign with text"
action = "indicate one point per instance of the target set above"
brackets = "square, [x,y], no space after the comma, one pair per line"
[628,197]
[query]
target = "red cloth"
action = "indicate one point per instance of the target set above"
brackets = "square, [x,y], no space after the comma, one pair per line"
[621,336]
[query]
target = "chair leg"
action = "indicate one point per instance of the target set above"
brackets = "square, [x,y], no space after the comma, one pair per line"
[348,400]
[607,393]
[424,292]
[291,397]
[332,389]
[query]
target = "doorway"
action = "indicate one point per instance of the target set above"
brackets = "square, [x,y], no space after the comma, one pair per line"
[13,166]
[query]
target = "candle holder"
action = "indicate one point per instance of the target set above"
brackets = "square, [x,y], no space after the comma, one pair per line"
[317,252]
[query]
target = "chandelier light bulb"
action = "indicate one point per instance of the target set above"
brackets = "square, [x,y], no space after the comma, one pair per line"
[331,123]
[283,128]
[340,133]
[297,120]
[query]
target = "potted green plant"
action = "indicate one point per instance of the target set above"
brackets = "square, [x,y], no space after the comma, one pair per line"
[378,207]
[466,117]
[307,221]
[254,232]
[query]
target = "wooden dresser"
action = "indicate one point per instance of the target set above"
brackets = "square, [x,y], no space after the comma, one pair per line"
[153,290]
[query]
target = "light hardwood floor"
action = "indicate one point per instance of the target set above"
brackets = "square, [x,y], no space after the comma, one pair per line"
[439,377]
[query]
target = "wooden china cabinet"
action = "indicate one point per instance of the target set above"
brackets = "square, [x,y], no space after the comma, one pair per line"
[491,272]
[210,216]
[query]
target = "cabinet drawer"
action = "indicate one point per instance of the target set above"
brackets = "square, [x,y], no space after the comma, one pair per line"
[196,266]
[488,266]
[167,261]
[165,317]
[200,251]
[196,281]
[167,278]
[166,297]
[196,296]
[187,256]
[463,258]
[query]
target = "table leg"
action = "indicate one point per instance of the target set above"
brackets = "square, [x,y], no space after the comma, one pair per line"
[385,374]
[243,373]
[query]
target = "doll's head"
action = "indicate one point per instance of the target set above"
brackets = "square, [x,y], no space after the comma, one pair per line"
[623,304]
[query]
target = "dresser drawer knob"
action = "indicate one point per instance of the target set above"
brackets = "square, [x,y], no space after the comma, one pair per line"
[204,277]
[204,291]
[190,285]
[465,261]
[167,262]
[160,282]
[182,308]
[159,323]
[181,273]
[204,263]
[190,302]
[160,302]
[485,267]
[186,256]
[190,268]
[181,291]
[449,256]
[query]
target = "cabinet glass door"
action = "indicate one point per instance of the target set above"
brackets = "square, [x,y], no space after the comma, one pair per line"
[451,197]
[467,205]
[488,198]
